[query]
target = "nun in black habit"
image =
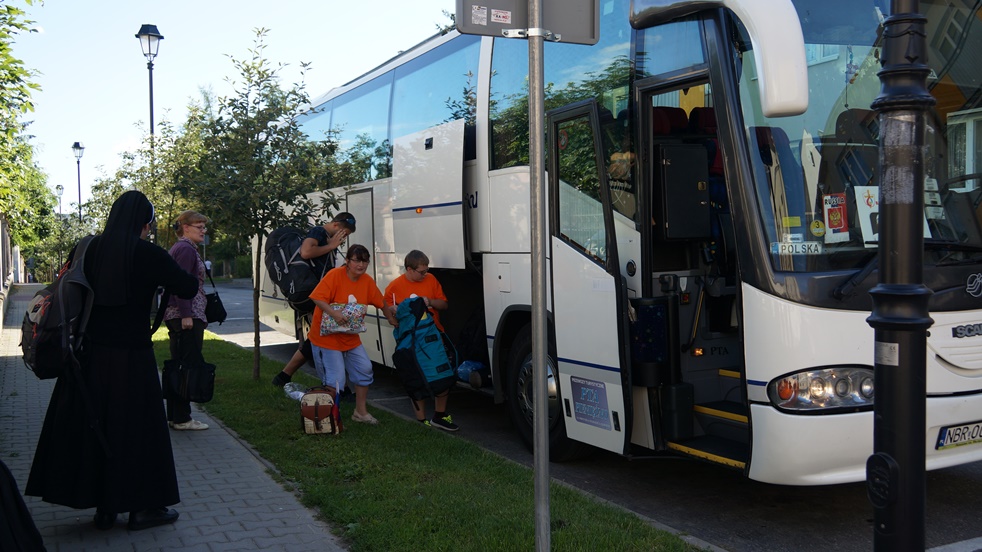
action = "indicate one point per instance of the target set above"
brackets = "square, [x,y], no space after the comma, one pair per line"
[133,469]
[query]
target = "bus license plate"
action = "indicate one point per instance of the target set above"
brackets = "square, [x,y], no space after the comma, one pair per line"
[960,435]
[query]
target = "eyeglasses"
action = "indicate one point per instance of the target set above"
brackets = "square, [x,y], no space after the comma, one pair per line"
[420,272]
[200,227]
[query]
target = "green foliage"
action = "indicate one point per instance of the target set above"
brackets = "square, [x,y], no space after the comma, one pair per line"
[399,485]
[25,199]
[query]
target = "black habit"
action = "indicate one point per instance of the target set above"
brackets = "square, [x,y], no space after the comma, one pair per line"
[71,466]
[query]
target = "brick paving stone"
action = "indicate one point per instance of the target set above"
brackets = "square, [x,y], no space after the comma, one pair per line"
[230,500]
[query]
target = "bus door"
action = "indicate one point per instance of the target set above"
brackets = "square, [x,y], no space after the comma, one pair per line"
[588,292]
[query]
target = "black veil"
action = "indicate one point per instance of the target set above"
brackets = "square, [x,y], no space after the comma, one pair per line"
[111,272]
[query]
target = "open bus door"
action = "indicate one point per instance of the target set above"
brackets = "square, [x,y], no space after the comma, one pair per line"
[588,292]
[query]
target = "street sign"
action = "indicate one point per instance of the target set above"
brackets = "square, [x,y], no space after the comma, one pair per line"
[572,21]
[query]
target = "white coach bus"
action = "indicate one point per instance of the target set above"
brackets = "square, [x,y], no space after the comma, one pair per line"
[708,264]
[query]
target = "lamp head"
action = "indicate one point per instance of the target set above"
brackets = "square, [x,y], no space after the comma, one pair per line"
[149,40]
[79,149]
[59,189]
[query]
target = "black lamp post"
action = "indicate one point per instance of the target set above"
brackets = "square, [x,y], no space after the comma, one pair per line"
[59,189]
[150,42]
[895,480]
[79,149]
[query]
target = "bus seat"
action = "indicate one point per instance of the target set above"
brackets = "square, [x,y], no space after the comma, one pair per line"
[702,121]
[849,158]
[784,174]
[857,125]
[668,121]
[851,155]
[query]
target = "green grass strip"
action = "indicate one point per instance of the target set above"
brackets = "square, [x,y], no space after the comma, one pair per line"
[401,486]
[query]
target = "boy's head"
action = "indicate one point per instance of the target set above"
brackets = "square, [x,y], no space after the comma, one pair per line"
[341,221]
[415,259]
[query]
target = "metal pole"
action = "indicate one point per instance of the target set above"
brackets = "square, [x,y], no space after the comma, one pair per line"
[895,472]
[150,70]
[78,166]
[539,321]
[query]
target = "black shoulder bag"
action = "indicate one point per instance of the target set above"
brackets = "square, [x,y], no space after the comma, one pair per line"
[214,309]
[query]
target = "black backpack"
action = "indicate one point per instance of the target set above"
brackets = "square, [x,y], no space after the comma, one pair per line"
[55,321]
[295,276]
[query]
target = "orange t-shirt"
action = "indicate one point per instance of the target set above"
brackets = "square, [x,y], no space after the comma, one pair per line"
[335,287]
[401,289]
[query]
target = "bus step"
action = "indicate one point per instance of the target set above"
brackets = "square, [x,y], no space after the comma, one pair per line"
[725,419]
[728,410]
[714,449]
[730,373]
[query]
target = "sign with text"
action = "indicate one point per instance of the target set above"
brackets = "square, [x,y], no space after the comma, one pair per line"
[590,402]
[575,21]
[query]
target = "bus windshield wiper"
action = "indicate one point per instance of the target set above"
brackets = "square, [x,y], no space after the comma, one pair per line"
[941,245]
[952,247]
[846,288]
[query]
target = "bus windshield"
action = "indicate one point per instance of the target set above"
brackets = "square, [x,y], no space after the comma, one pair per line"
[816,173]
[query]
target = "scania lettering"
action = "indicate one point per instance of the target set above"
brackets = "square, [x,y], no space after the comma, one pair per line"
[712,188]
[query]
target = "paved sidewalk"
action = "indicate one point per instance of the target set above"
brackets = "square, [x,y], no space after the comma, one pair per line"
[229,499]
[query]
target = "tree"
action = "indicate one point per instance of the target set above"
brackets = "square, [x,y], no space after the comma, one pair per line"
[255,161]
[24,197]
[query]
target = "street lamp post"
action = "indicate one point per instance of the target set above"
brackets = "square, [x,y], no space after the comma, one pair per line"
[150,42]
[59,189]
[79,149]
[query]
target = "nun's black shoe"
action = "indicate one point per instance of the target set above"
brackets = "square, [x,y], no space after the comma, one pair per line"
[104,521]
[151,518]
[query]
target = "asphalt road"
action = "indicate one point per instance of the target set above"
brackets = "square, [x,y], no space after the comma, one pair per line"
[708,502]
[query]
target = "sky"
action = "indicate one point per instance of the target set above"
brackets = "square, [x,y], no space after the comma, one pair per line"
[95,82]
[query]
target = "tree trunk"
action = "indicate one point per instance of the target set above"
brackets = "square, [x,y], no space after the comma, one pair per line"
[255,305]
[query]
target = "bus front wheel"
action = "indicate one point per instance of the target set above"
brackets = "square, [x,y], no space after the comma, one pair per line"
[521,403]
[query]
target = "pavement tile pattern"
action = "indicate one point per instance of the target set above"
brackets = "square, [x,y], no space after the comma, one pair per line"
[229,497]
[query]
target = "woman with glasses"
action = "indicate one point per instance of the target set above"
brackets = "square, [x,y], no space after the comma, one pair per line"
[104,443]
[418,282]
[337,355]
[185,318]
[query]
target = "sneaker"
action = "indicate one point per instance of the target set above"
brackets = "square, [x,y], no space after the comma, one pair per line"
[281,379]
[425,422]
[365,419]
[445,423]
[190,425]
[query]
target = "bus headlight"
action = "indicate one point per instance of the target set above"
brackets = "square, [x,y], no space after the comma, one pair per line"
[825,390]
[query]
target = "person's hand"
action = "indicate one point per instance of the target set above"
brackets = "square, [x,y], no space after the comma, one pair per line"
[187,323]
[338,238]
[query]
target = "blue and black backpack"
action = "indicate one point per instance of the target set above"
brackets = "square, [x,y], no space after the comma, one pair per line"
[420,358]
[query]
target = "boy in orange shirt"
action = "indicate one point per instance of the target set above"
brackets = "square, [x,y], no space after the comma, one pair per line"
[418,282]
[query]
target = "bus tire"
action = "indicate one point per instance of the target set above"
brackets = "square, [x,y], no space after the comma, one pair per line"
[520,402]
